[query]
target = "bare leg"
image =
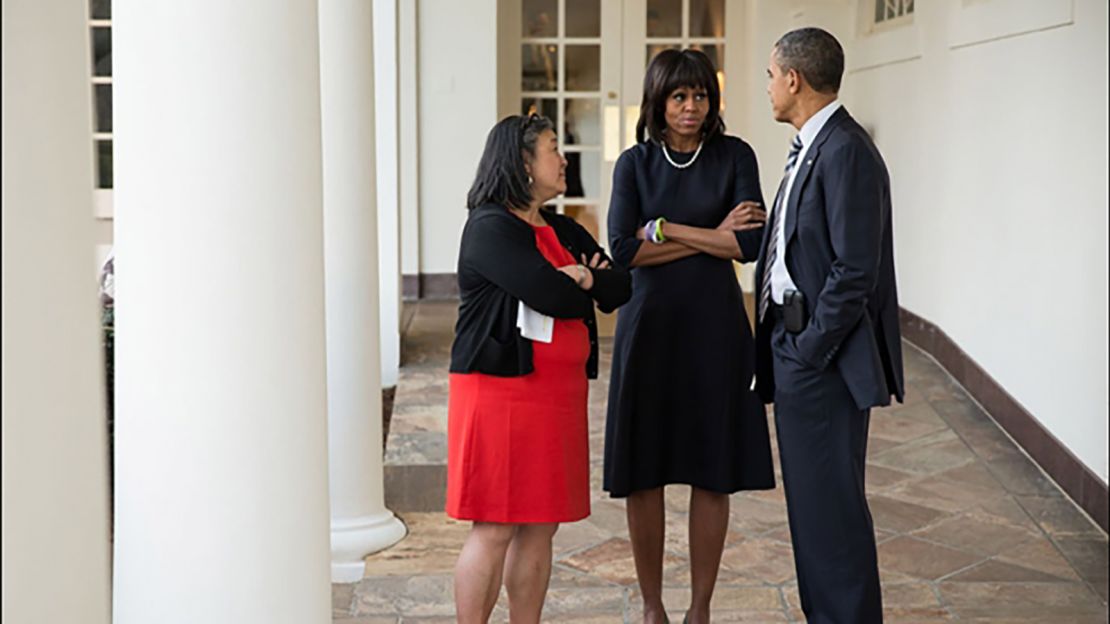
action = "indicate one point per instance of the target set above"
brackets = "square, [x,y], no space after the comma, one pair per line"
[478,571]
[708,527]
[646,528]
[528,570]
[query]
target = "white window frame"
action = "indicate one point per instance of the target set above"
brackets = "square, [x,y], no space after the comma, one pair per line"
[103,198]
[560,95]
[684,42]
[870,26]
[896,40]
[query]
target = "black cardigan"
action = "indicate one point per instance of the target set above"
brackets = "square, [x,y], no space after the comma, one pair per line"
[500,265]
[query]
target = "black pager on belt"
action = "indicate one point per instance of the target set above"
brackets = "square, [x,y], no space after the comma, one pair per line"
[795,316]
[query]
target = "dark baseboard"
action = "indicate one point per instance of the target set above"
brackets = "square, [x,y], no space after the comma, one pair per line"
[1082,485]
[410,287]
[429,286]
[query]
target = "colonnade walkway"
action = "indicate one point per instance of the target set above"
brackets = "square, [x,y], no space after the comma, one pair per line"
[968,527]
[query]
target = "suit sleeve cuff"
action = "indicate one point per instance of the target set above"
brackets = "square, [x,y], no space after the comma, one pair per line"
[808,352]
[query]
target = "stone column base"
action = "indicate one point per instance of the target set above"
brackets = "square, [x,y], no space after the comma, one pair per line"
[352,539]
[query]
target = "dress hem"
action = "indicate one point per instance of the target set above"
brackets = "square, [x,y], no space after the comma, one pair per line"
[743,488]
[478,517]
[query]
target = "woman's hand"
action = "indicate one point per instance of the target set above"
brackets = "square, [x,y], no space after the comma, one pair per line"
[580,274]
[747,215]
[597,262]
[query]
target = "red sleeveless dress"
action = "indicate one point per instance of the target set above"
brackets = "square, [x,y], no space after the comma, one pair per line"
[518,447]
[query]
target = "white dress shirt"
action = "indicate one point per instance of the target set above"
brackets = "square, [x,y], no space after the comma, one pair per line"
[780,276]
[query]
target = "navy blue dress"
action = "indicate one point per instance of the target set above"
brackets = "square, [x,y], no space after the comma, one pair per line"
[681,407]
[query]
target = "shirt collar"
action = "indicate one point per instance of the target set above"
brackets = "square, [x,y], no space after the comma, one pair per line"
[814,124]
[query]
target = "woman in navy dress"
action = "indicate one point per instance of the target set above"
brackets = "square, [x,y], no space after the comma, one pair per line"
[686,203]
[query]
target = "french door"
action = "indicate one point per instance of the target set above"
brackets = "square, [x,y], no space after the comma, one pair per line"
[582,65]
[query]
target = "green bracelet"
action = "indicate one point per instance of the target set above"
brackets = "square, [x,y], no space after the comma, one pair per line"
[659,230]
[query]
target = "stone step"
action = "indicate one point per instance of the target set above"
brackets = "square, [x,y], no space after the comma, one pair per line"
[415,469]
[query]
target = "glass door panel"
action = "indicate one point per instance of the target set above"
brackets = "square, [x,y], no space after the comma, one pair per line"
[571,72]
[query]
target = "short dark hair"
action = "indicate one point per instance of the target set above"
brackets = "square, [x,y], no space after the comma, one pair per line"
[501,177]
[813,53]
[670,70]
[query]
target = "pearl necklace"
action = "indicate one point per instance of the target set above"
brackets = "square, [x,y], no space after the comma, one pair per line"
[667,155]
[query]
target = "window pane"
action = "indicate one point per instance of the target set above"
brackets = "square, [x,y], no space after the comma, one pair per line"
[886,10]
[540,18]
[102,51]
[583,174]
[539,65]
[664,18]
[100,9]
[656,48]
[582,122]
[714,52]
[103,95]
[583,18]
[583,68]
[707,18]
[104,164]
[546,107]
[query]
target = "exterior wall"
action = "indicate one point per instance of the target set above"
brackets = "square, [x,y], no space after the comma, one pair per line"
[458,106]
[55,535]
[992,121]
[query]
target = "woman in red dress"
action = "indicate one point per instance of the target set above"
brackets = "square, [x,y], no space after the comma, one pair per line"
[525,346]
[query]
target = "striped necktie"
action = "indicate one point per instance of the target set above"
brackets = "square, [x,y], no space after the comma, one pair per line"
[772,244]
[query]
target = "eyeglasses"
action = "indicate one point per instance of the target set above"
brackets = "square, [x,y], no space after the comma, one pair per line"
[526,122]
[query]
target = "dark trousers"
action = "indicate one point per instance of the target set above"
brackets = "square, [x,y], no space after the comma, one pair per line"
[823,447]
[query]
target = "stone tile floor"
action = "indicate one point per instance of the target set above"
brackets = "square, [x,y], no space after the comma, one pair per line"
[968,527]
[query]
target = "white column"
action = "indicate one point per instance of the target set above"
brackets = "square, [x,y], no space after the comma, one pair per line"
[221,441]
[55,483]
[360,523]
[408,80]
[386,96]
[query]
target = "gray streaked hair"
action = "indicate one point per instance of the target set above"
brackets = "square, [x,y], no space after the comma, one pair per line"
[815,54]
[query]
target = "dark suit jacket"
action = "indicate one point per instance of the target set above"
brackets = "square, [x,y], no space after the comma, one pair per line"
[840,254]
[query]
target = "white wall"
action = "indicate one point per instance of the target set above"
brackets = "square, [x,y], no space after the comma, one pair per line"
[740,28]
[458,106]
[998,158]
[764,22]
[509,17]
[55,536]
[997,152]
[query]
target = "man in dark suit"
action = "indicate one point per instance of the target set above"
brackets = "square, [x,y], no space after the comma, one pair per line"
[828,346]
